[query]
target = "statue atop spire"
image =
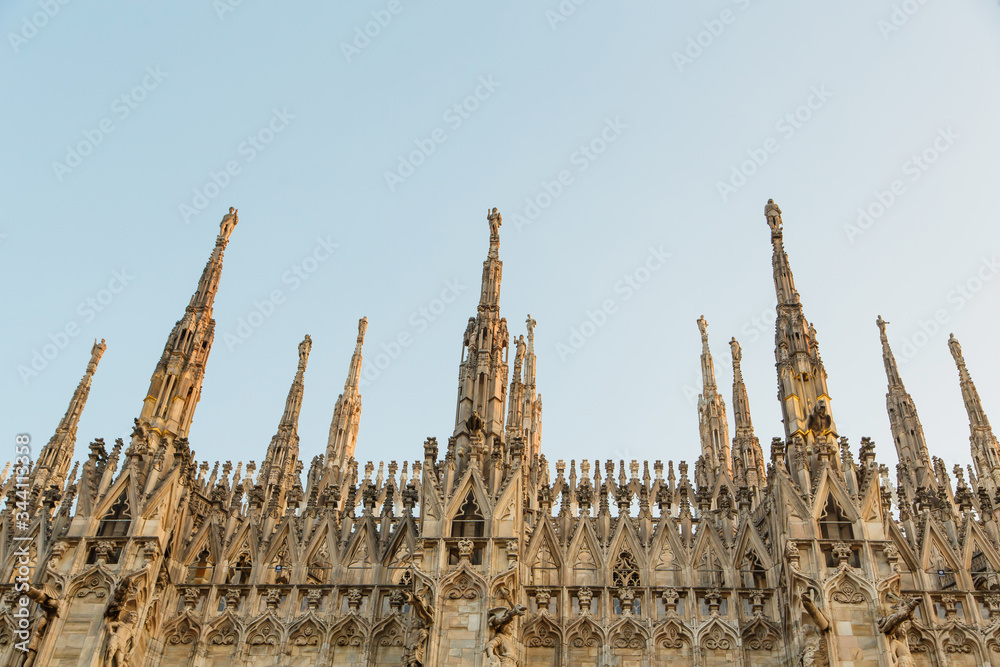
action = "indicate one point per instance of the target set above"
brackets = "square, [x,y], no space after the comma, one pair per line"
[495,220]
[229,222]
[734,345]
[773,215]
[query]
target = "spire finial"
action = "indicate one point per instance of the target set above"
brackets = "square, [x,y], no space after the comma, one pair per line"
[362,328]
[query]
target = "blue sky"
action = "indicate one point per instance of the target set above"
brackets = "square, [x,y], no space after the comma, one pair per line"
[603,135]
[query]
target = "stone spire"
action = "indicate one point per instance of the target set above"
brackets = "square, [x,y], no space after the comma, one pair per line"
[279,473]
[533,399]
[343,436]
[805,400]
[907,433]
[524,416]
[712,423]
[175,388]
[748,458]
[985,449]
[55,458]
[482,377]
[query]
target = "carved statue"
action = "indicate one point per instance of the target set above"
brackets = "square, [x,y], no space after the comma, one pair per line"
[899,650]
[820,420]
[119,642]
[773,215]
[500,649]
[814,651]
[415,646]
[229,222]
[48,607]
[495,220]
[418,631]
[956,349]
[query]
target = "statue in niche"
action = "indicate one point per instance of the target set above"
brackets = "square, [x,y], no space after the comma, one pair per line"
[501,649]
[418,629]
[45,612]
[894,627]
[820,420]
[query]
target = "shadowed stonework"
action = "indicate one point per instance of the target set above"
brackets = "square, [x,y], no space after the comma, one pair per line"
[475,554]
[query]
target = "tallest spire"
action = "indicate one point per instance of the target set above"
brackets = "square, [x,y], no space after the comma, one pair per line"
[805,401]
[483,374]
[175,387]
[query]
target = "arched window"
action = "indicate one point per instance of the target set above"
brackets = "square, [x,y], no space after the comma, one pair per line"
[239,573]
[753,572]
[200,571]
[834,524]
[626,572]
[118,519]
[469,521]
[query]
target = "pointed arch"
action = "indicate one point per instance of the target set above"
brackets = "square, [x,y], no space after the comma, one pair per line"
[263,633]
[672,635]
[544,557]
[626,634]
[541,632]
[224,631]
[469,496]
[717,635]
[319,558]
[585,634]
[585,555]
[117,517]
[307,634]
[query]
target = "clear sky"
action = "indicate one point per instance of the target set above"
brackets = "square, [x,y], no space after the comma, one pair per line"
[131,127]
